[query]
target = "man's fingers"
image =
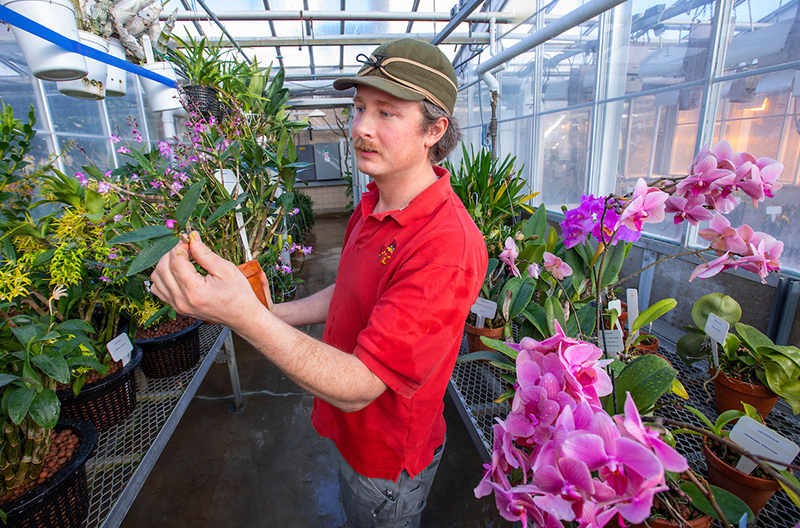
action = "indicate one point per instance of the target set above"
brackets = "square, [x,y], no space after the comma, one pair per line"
[207,259]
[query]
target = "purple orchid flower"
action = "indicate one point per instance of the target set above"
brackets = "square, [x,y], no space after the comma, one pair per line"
[646,206]
[690,209]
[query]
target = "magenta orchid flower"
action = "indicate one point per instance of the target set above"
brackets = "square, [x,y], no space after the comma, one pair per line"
[556,267]
[509,254]
[585,376]
[171,224]
[646,206]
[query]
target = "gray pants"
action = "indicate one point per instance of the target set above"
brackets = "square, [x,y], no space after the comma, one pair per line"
[379,503]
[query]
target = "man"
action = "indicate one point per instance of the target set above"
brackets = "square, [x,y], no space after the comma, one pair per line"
[411,267]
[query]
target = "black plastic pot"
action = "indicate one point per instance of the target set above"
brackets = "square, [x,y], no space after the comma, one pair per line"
[62,501]
[171,354]
[107,401]
[201,99]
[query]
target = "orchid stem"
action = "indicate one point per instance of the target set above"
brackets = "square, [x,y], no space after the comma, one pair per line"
[706,491]
[659,261]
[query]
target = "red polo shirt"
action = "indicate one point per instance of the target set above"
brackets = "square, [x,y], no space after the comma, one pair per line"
[405,284]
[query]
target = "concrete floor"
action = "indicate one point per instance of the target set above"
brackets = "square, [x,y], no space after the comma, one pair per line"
[267,467]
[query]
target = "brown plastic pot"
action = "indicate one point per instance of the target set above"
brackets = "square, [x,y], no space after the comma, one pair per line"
[474,334]
[652,345]
[704,521]
[730,394]
[754,491]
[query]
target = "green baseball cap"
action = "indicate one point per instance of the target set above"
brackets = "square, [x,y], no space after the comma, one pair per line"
[408,69]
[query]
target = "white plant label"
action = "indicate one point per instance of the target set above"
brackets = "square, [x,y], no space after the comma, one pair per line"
[773,211]
[484,309]
[616,304]
[717,329]
[612,339]
[743,521]
[633,308]
[762,441]
[120,348]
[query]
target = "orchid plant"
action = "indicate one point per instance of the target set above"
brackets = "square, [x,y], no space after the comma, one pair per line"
[559,457]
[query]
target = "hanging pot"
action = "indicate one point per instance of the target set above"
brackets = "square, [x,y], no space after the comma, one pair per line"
[116,78]
[201,99]
[62,501]
[730,394]
[474,334]
[93,86]
[161,97]
[48,61]
[754,491]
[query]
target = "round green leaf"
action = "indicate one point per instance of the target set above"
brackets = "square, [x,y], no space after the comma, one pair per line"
[724,306]
[45,409]
[19,403]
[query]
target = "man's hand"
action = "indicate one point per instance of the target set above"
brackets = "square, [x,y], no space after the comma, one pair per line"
[223,296]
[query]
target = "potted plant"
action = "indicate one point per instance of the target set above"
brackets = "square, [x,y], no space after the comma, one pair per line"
[201,63]
[42,455]
[60,243]
[752,369]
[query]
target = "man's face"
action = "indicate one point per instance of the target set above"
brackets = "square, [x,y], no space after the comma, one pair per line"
[387,136]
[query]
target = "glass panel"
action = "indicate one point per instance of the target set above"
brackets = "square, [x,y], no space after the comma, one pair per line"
[667,46]
[762,35]
[85,151]
[74,115]
[123,110]
[565,170]
[514,139]
[516,87]
[16,83]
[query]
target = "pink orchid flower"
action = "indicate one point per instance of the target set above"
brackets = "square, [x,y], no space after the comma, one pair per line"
[171,224]
[747,178]
[709,269]
[566,487]
[509,254]
[631,426]
[637,505]
[770,172]
[690,209]
[646,206]
[700,183]
[723,236]
[556,267]
[585,374]
[533,271]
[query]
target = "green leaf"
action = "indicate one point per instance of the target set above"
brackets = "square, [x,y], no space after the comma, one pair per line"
[552,240]
[752,338]
[536,225]
[536,315]
[522,297]
[75,325]
[144,233]
[500,346]
[223,209]
[732,507]
[689,349]
[188,203]
[28,333]
[722,305]
[53,365]
[87,361]
[45,409]
[613,264]
[647,377]
[653,312]
[791,478]
[150,255]
[19,403]
[95,203]
[554,312]
[44,258]
[5,379]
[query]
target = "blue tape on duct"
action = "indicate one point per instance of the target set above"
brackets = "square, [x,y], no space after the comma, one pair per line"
[26,24]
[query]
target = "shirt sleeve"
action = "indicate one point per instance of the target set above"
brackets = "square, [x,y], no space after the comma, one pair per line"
[415,324]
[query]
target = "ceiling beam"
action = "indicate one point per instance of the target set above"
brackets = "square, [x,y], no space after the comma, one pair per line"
[467,7]
[244,16]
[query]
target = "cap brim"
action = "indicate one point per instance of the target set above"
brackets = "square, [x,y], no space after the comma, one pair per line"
[380,83]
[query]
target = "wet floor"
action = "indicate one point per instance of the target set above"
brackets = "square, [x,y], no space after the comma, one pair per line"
[266,466]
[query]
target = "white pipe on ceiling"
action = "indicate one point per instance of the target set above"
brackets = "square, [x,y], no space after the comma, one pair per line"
[574,18]
[353,40]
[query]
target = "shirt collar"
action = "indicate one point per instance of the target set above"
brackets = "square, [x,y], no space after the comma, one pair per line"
[421,206]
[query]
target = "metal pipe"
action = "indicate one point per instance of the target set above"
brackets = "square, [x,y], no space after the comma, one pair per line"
[574,18]
[235,16]
[353,40]
[222,27]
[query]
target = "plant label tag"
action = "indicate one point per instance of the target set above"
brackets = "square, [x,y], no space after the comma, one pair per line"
[611,341]
[616,304]
[484,308]
[633,307]
[743,521]
[763,441]
[120,348]
[717,328]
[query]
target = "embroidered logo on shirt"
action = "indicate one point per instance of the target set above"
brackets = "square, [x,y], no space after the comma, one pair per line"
[386,252]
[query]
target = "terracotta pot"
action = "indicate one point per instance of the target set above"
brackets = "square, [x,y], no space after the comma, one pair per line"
[704,521]
[474,334]
[754,491]
[652,346]
[730,394]
[252,270]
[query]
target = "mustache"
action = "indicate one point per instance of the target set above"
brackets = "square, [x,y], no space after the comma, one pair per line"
[362,144]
